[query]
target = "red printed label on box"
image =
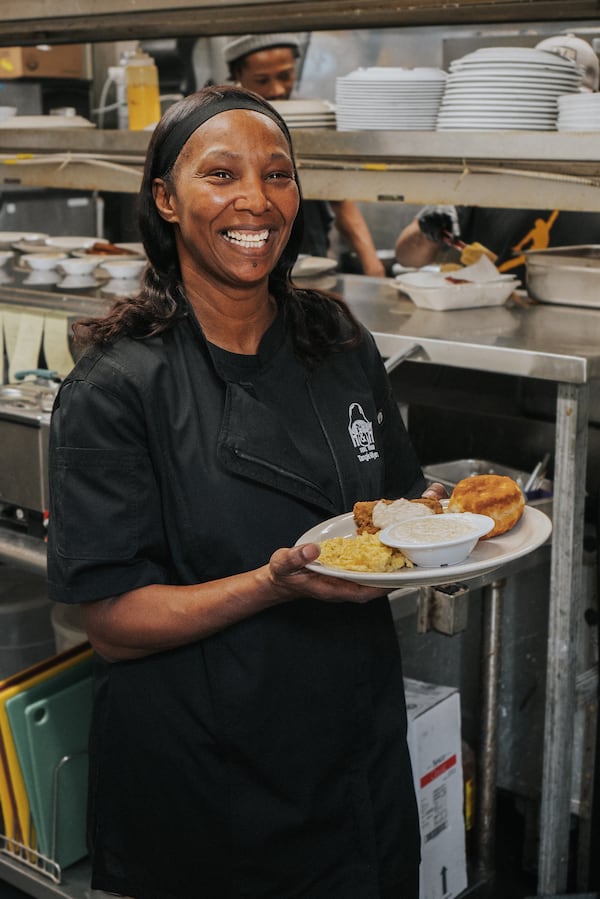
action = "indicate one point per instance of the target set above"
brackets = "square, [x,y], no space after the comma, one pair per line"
[440,769]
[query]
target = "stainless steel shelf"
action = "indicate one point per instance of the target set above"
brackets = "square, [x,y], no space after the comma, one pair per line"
[524,169]
[33,22]
[75,881]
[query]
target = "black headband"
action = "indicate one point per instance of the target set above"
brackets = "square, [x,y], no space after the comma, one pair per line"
[184,128]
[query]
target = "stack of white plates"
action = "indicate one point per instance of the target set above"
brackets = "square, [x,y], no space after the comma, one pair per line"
[506,88]
[579,112]
[387,98]
[306,113]
[46,121]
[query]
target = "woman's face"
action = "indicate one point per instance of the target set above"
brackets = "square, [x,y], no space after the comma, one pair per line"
[232,198]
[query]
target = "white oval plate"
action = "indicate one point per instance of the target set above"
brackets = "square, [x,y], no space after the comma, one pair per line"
[73,243]
[306,266]
[8,238]
[532,531]
[46,121]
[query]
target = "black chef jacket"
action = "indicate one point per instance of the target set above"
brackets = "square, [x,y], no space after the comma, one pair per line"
[268,760]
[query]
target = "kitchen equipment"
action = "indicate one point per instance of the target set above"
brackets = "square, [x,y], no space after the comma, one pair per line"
[56,730]
[24,430]
[26,632]
[564,275]
[536,475]
[13,792]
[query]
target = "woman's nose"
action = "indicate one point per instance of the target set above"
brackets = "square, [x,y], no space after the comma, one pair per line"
[253,195]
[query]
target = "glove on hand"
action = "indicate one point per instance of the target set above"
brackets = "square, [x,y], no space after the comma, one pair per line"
[434,220]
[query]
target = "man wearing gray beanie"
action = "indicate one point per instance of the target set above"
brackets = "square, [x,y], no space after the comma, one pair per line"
[266,64]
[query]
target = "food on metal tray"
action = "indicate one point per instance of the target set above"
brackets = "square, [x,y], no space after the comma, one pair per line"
[495,495]
[472,253]
[365,552]
[373,515]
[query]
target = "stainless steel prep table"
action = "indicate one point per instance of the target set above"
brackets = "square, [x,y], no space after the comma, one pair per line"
[552,343]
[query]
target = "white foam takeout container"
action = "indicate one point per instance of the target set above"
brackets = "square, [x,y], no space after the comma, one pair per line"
[481,284]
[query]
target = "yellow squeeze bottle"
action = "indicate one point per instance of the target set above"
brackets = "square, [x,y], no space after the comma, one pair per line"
[143,98]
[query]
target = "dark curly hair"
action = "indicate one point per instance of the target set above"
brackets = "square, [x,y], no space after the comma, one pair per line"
[320,322]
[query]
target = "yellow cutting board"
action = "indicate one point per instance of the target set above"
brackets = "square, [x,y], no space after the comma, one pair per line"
[13,795]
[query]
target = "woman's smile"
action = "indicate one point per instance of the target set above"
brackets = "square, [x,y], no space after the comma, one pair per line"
[251,240]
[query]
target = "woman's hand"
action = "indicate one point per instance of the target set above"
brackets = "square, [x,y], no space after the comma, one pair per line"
[290,578]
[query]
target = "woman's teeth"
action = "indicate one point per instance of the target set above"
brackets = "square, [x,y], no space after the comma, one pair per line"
[248,239]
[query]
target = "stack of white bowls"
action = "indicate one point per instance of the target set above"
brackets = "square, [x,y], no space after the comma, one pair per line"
[579,112]
[385,98]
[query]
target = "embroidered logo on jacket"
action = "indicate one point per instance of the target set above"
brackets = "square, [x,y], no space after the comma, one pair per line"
[361,433]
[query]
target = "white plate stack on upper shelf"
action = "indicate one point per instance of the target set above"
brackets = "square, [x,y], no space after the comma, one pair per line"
[306,113]
[579,112]
[388,99]
[507,89]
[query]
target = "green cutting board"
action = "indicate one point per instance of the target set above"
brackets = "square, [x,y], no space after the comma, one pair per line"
[58,729]
[16,707]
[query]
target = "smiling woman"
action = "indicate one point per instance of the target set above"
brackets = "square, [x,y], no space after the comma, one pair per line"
[249,712]
[232,198]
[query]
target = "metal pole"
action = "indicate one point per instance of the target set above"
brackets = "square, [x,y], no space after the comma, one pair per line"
[572,411]
[488,749]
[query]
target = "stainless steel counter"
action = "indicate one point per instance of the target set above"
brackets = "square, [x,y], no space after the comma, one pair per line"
[555,343]
[552,343]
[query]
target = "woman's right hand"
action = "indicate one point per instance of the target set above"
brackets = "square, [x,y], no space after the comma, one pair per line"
[291,579]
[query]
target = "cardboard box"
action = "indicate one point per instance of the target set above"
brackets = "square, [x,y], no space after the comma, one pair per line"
[43,61]
[434,742]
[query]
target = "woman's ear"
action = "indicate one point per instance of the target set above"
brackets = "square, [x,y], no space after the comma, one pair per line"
[163,199]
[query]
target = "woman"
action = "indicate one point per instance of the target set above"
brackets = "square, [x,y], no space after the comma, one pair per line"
[249,722]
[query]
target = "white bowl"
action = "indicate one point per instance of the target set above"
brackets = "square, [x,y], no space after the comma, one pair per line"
[434,541]
[77,266]
[77,282]
[124,268]
[42,261]
[42,277]
[120,287]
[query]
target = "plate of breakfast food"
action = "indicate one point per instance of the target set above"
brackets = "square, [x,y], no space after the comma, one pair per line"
[484,525]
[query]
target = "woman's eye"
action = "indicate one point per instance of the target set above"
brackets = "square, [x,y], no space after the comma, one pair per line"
[278,176]
[220,175]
